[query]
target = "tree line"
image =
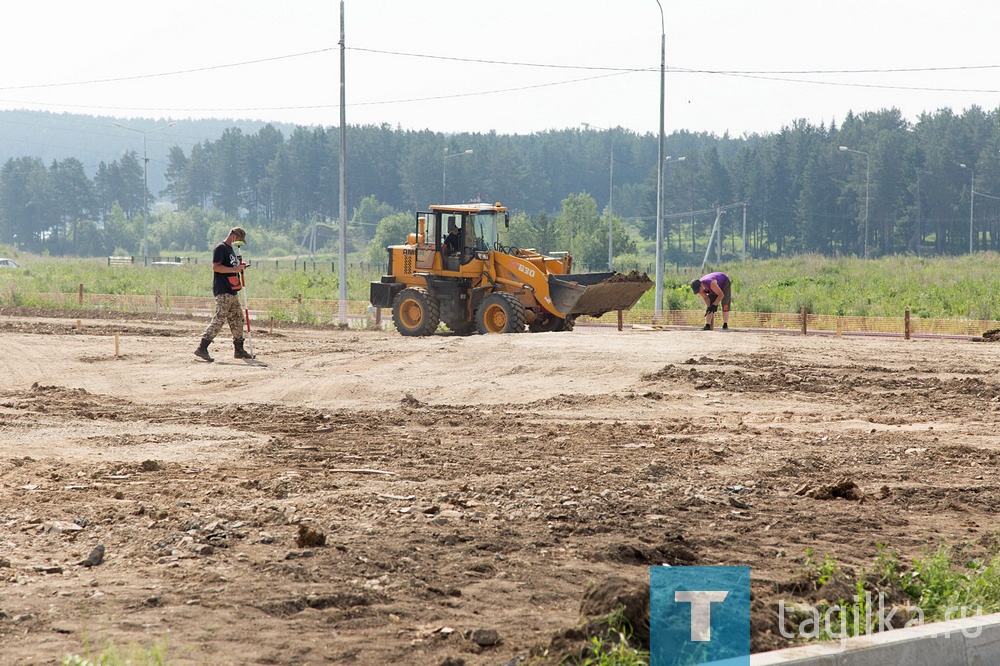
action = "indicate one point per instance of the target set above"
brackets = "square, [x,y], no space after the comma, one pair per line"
[872,185]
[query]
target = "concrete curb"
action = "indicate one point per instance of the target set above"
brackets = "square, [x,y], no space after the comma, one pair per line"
[972,641]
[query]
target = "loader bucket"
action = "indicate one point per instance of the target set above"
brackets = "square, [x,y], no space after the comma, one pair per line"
[596,293]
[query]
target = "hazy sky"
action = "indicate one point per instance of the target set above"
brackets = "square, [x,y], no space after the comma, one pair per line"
[513,66]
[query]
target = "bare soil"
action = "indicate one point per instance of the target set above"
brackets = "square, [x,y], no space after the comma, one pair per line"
[373,499]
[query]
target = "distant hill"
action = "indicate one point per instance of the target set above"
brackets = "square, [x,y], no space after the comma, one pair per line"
[94,139]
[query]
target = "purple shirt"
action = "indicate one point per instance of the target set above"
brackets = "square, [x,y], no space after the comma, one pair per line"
[721,278]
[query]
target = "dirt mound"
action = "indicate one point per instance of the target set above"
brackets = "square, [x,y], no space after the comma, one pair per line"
[631,276]
[992,335]
[611,609]
[842,489]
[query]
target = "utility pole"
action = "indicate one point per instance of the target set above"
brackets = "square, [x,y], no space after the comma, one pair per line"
[342,273]
[145,181]
[744,231]
[611,191]
[658,298]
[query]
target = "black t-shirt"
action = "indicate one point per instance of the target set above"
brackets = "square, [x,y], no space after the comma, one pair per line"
[225,255]
[453,242]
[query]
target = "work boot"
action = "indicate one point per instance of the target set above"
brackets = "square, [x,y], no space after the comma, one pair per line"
[725,327]
[202,350]
[240,352]
[707,327]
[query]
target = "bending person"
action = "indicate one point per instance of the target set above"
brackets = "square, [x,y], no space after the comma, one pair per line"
[715,289]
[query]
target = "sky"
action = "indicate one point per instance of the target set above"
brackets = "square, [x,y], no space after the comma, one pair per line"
[512,66]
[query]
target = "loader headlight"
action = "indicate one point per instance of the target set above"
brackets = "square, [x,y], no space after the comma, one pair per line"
[483,256]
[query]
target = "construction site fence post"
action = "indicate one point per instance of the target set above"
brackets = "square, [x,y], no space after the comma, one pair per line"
[620,321]
[906,324]
[81,293]
[805,327]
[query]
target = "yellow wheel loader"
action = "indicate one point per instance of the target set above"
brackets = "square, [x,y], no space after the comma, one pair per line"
[453,269]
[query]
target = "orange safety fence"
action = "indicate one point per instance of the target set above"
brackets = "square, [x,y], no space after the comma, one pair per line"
[327,310]
[814,323]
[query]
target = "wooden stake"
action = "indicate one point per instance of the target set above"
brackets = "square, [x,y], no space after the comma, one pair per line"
[906,324]
[620,323]
[805,311]
[840,327]
[118,349]
[81,293]
[79,326]
[271,329]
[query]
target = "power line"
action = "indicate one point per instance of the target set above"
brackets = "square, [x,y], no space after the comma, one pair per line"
[499,90]
[171,109]
[762,74]
[768,75]
[330,106]
[171,73]
[512,63]
[869,70]
[851,85]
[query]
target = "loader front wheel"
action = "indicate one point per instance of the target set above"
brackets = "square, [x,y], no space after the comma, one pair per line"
[500,312]
[545,323]
[414,312]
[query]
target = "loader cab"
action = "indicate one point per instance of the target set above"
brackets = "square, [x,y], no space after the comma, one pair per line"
[478,227]
[454,248]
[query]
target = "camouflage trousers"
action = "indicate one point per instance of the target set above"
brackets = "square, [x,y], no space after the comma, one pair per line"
[227,310]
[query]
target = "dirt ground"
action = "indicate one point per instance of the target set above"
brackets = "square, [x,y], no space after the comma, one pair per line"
[373,499]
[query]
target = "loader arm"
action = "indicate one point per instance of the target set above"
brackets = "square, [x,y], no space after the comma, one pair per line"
[521,274]
[564,295]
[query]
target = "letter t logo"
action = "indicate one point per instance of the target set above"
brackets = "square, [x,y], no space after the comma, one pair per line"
[701,611]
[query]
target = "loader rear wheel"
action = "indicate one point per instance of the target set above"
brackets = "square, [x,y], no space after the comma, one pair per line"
[414,312]
[500,312]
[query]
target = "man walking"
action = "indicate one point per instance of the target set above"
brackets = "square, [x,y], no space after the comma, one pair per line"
[227,282]
[715,289]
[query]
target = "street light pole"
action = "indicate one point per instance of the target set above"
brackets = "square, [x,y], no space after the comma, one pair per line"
[145,180]
[444,172]
[611,190]
[667,161]
[658,304]
[972,202]
[868,164]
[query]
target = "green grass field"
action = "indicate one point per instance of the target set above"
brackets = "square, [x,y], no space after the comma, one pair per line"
[965,287]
